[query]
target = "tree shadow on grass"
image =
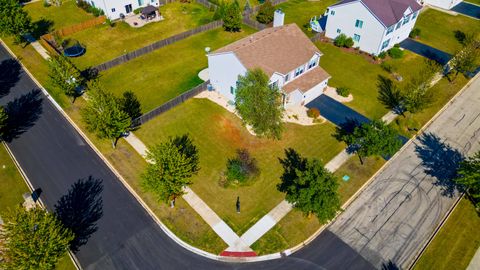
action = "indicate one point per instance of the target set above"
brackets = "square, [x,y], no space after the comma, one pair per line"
[42,27]
[347,128]
[22,113]
[439,160]
[80,209]
[10,71]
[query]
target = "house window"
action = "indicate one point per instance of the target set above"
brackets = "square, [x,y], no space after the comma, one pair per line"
[140,2]
[332,12]
[298,71]
[390,29]
[113,10]
[339,31]
[385,44]
[399,24]
[274,85]
[287,77]
[359,24]
[406,19]
[232,90]
[93,4]
[414,15]
[312,63]
[356,37]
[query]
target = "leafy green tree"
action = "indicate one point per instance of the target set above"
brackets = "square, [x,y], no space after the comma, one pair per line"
[232,17]
[373,138]
[130,104]
[259,104]
[309,186]
[265,12]
[469,178]
[65,75]
[172,164]
[220,10]
[104,115]
[389,94]
[417,94]
[465,61]
[14,21]
[32,239]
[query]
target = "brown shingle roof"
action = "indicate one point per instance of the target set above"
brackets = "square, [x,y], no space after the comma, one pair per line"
[306,81]
[278,49]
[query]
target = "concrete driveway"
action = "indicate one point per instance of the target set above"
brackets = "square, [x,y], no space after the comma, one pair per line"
[399,210]
[426,51]
[335,111]
[467,9]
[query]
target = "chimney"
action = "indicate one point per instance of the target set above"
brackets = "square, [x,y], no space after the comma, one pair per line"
[278,18]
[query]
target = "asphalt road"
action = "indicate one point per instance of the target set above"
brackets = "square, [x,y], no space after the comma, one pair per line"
[395,213]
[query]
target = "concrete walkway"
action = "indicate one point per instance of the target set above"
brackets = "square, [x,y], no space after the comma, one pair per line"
[208,215]
[37,46]
[475,262]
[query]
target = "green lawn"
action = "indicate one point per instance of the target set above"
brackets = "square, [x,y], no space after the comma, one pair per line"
[169,71]
[352,70]
[65,15]
[301,11]
[456,243]
[104,43]
[438,29]
[182,220]
[218,133]
[477,2]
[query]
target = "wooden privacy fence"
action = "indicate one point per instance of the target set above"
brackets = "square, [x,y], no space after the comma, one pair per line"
[207,4]
[253,24]
[170,104]
[81,26]
[47,41]
[157,45]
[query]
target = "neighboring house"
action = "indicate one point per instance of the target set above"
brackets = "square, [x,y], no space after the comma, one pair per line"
[113,8]
[374,25]
[445,4]
[284,53]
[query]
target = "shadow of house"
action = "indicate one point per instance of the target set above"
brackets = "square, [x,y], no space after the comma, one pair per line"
[10,71]
[439,160]
[22,113]
[80,209]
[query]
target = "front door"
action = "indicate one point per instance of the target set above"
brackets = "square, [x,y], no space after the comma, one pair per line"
[128,8]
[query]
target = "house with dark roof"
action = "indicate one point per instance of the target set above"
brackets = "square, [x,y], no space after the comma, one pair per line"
[374,25]
[284,53]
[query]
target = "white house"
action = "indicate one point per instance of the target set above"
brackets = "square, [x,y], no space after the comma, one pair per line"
[113,8]
[445,4]
[374,25]
[284,53]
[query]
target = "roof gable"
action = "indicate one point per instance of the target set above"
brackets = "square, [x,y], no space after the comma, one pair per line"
[278,49]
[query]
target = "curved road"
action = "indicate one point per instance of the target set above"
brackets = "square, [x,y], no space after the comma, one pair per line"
[54,156]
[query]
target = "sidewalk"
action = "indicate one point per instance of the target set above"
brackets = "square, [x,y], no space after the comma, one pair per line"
[475,262]
[38,47]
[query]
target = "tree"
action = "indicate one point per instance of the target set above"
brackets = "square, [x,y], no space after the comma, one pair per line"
[465,60]
[14,21]
[32,239]
[469,177]
[172,165]
[104,115]
[259,104]
[232,17]
[373,138]
[265,12]
[130,104]
[65,75]
[389,94]
[417,94]
[309,186]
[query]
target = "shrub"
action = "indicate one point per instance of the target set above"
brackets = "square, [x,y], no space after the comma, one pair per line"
[96,11]
[265,13]
[137,10]
[343,91]
[387,67]
[313,113]
[348,42]
[414,33]
[396,45]
[88,8]
[109,22]
[395,52]
[382,55]
[340,40]
[241,168]
[46,3]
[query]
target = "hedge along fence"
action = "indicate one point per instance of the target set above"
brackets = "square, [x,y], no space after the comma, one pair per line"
[170,104]
[157,45]
[81,26]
